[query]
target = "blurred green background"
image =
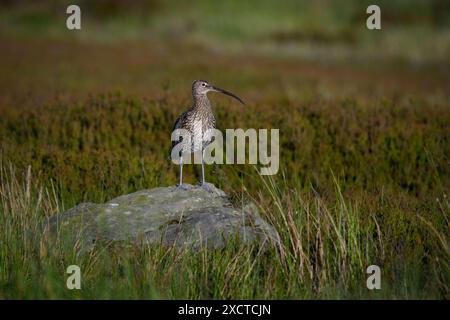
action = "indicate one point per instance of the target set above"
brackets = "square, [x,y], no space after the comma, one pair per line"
[364,118]
[414,31]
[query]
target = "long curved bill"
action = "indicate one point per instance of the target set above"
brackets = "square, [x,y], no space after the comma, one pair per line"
[228,94]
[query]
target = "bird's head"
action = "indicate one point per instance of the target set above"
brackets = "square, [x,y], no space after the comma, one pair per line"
[202,87]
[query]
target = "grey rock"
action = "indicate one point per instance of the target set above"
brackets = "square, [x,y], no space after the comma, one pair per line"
[183,217]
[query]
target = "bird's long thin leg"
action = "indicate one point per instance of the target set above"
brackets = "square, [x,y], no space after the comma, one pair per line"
[180,185]
[203,184]
[203,167]
[181,170]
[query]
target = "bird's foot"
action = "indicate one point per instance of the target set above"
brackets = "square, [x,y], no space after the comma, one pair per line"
[206,186]
[182,187]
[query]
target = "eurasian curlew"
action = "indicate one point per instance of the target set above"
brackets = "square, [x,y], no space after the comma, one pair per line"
[198,121]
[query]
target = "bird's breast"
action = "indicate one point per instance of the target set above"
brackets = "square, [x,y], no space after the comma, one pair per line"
[199,126]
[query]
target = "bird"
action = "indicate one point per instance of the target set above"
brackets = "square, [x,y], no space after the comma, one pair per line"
[197,120]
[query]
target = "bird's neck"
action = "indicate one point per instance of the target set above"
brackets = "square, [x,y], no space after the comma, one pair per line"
[201,101]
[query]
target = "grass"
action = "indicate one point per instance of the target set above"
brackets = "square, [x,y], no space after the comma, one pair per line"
[338,206]
[327,246]
[364,167]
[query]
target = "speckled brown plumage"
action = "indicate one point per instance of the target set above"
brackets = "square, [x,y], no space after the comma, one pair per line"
[198,120]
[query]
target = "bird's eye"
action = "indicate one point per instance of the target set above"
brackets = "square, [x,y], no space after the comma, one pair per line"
[203,84]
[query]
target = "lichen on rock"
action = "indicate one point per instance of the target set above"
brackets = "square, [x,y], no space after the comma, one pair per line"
[183,217]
